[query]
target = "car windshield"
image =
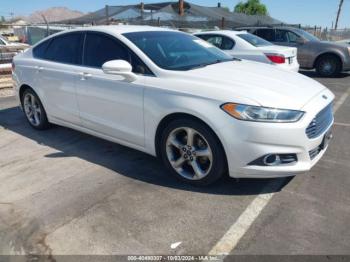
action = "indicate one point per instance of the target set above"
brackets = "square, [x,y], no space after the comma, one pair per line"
[307,35]
[176,50]
[254,40]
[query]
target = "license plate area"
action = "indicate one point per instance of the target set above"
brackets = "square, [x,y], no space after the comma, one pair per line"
[290,60]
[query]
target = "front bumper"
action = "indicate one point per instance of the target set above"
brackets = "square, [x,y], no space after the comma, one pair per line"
[259,139]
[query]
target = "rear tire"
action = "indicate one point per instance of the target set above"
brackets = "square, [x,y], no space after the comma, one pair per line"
[328,65]
[34,110]
[190,150]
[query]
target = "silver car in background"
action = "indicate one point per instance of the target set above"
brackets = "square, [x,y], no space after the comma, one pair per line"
[328,58]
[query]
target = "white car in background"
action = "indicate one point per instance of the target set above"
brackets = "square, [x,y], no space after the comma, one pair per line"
[170,94]
[243,45]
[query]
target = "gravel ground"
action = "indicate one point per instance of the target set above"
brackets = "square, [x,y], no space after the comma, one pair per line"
[6,92]
[6,86]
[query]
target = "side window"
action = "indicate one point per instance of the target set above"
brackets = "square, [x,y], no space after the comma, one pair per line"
[138,67]
[292,37]
[267,34]
[100,49]
[282,36]
[222,42]
[40,50]
[227,43]
[65,49]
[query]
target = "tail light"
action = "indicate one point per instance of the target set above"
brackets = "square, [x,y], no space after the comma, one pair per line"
[277,59]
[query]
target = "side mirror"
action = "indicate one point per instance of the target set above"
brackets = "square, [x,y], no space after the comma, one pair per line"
[121,68]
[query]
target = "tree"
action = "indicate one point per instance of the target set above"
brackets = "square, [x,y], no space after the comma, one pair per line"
[251,7]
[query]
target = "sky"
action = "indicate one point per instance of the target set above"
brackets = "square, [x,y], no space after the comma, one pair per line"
[306,12]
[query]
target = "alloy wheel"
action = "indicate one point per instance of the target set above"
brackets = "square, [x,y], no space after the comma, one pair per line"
[189,153]
[32,109]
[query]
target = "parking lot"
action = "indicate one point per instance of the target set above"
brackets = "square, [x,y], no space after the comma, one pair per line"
[64,192]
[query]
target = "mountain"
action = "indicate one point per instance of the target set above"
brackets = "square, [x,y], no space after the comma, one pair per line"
[53,14]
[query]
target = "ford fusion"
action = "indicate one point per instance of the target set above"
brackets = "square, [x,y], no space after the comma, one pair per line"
[172,95]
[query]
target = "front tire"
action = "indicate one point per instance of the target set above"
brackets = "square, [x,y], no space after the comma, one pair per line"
[192,152]
[328,66]
[34,110]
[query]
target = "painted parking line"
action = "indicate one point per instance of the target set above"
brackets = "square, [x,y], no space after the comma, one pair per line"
[341,124]
[234,234]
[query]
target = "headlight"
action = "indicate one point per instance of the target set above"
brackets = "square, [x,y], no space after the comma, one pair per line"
[261,114]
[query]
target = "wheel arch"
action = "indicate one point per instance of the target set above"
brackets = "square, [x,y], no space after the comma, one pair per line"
[332,53]
[23,88]
[180,115]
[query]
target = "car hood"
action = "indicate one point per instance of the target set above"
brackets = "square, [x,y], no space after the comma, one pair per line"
[264,84]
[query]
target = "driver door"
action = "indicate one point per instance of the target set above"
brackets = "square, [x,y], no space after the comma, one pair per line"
[108,104]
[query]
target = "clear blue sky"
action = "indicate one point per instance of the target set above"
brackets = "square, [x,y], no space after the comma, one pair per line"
[307,12]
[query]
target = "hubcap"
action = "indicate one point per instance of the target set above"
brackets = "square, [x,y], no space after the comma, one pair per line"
[328,67]
[189,153]
[32,109]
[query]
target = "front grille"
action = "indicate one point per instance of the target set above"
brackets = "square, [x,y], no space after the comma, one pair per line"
[321,122]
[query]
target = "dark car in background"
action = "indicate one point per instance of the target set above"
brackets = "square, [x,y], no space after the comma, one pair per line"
[328,58]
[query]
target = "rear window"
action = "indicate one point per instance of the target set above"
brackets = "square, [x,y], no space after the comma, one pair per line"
[254,40]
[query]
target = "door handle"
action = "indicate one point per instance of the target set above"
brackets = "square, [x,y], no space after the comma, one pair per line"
[84,75]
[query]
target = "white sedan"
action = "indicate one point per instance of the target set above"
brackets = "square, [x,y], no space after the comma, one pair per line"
[170,94]
[241,44]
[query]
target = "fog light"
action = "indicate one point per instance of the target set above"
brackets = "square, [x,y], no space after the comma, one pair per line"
[275,160]
[272,160]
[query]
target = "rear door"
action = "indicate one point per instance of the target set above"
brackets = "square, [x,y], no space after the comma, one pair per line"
[55,72]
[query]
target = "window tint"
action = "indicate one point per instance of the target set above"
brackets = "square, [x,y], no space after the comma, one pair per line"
[100,48]
[65,49]
[222,42]
[40,50]
[267,34]
[286,36]
[281,36]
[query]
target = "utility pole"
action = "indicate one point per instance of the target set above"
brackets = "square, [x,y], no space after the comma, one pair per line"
[107,14]
[338,14]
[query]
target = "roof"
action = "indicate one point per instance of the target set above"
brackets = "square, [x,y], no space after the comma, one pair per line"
[122,29]
[167,13]
[223,32]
